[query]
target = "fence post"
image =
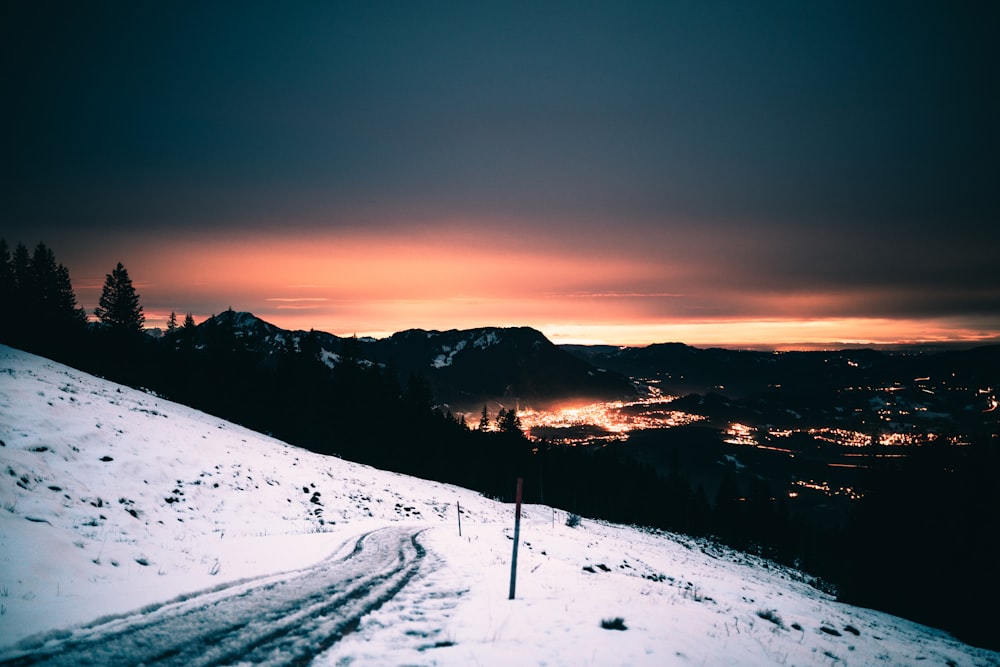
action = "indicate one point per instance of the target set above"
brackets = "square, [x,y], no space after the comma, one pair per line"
[517,535]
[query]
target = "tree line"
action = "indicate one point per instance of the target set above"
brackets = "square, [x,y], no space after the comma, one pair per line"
[918,545]
[41,309]
[39,305]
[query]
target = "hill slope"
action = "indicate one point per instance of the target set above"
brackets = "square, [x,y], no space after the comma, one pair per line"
[116,501]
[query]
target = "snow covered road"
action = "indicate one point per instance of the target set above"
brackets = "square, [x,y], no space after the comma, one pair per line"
[276,621]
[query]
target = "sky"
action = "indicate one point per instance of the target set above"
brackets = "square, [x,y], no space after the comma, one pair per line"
[761,173]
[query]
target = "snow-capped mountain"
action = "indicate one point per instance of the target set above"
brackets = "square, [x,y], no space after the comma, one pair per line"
[124,513]
[463,367]
[509,364]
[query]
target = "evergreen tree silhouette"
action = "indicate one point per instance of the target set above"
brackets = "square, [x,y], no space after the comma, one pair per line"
[187,334]
[19,319]
[37,292]
[66,305]
[509,422]
[58,316]
[21,262]
[8,289]
[118,308]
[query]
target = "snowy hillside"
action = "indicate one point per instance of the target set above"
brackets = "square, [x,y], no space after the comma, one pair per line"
[120,508]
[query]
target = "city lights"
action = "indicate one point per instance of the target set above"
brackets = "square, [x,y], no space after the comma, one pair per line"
[576,424]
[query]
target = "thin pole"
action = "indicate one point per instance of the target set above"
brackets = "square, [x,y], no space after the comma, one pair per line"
[517,535]
[459,505]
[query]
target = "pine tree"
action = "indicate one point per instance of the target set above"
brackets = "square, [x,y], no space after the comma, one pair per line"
[172,323]
[484,420]
[20,263]
[8,287]
[67,311]
[509,422]
[20,316]
[6,269]
[42,270]
[52,295]
[187,333]
[118,308]
[37,295]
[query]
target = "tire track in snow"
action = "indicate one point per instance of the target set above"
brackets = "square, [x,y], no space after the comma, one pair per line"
[283,622]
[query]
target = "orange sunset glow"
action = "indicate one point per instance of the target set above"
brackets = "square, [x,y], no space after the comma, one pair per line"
[376,285]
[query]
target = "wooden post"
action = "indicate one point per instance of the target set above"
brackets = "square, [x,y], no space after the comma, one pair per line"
[517,535]
[459,505]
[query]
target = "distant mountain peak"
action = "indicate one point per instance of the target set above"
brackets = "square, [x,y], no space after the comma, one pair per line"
[239,319]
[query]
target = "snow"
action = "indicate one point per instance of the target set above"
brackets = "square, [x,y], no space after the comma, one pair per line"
[487,339]
[481,340]
[115,501]
[331,359]
[447,354]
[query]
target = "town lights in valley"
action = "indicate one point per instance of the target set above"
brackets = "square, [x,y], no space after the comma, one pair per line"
[615,418]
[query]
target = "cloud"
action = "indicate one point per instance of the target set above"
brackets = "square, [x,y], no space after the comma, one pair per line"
[618,295]
[298,298]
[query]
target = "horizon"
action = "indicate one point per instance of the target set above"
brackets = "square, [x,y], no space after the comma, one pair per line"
[160,329]
[780,174]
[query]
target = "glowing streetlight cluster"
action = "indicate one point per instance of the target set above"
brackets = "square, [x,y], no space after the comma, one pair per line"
[613,419]
[748,436]
[741,434]
[827,489]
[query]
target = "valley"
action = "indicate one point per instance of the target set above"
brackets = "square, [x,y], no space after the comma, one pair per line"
[817,441]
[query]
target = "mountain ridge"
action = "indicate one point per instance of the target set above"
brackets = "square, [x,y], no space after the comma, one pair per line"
[680,368]
[463,367]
